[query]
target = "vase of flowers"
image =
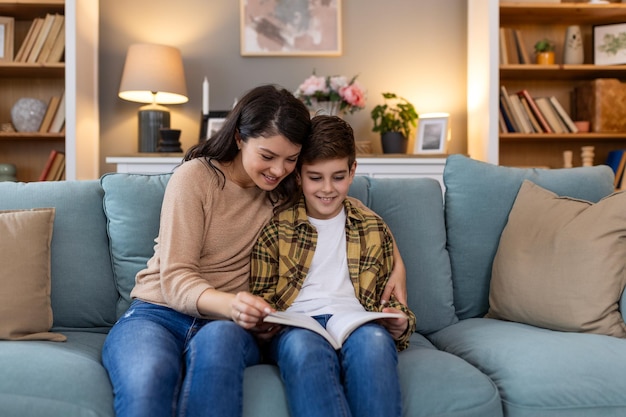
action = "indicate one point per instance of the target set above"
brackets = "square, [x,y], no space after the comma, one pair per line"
[333,95]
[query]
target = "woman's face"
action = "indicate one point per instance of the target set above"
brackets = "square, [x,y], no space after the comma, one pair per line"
[267,161]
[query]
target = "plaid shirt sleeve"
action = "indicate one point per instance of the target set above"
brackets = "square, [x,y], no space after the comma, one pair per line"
[264,264]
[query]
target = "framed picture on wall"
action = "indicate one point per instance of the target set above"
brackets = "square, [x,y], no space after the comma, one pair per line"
[215,121]
[6,38]
[432,133]
[290,28]
[609,44]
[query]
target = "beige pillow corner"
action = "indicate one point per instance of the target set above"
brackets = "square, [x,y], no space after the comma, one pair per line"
[560,263]
[25,307]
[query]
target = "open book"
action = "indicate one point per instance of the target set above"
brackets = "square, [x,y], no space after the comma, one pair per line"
[338,328]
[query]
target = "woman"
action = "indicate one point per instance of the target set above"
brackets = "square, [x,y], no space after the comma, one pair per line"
[182,346]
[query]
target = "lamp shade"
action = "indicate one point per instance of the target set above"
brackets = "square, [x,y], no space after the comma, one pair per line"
[153,74]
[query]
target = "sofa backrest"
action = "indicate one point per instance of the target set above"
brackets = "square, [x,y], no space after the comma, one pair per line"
[478,199]
[132,204]
[83,293]
[413,208]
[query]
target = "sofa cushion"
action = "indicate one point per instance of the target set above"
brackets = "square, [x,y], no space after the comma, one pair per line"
[413,209]
[541,372]
[25,307]
[478,199]
[41,378]
[132,203]
[83,293]
[560,263]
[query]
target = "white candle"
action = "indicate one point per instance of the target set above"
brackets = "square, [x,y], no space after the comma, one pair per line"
[205,96]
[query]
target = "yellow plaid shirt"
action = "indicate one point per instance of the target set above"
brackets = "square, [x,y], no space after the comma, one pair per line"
[283,253]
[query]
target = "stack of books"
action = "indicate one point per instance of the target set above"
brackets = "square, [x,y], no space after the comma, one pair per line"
[522,113]
[44,41]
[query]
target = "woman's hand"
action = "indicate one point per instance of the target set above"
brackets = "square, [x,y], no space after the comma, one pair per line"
[248,310]
[395,326]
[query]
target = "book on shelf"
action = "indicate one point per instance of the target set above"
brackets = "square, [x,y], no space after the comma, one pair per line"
[504,53]
[54,169]
[550,114]
[338,327]
[57,25]
[545,126]
[41,38]
[531,115]
[524,57]
[511,46]
[58,48]
[59,117]
[506,118]
[520,114]
[31,37]
[569,123]
[616,159]
[53,105]
[507,106]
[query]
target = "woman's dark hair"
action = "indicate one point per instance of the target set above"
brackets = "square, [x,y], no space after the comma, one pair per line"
[264,111]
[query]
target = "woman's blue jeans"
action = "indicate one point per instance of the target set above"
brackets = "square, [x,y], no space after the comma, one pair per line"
[359,380]
[165,363]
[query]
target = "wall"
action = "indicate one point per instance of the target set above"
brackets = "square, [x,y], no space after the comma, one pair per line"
[416,48]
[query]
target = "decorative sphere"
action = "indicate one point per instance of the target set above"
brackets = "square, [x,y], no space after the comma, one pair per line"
[27,114]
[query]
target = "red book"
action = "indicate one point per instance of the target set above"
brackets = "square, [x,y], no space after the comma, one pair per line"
[535,109]
[46,168]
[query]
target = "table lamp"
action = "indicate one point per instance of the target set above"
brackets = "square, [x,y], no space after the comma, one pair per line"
[153,74]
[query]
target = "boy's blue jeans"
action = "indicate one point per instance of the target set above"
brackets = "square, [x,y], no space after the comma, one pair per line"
[163,363]
[359,380]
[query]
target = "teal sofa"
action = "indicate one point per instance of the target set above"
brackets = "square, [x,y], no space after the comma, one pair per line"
[458,364]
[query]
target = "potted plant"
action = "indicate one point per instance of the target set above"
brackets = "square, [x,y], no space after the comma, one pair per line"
[544,51]
[394,120]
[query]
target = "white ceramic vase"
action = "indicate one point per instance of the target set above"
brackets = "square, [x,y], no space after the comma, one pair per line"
[573,53]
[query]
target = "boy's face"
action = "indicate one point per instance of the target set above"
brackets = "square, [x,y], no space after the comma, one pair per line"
[325,185]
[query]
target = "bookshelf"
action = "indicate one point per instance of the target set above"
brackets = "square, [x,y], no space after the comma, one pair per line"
[535,21]
[30,151]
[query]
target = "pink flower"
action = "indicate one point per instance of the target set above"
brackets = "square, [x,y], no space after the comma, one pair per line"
[353,94]
[343,94]
[313,85]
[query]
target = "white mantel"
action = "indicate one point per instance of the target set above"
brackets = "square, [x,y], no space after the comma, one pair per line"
[378,166]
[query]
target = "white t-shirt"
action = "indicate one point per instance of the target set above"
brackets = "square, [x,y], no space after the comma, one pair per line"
[327,288]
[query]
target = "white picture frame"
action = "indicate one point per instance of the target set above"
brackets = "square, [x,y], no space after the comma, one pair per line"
[432,134]
[214,122]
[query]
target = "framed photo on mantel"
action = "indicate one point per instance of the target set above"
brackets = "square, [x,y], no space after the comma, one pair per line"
[290,28]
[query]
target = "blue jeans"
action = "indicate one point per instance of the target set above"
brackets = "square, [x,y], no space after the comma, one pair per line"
[359,380]
[165,363]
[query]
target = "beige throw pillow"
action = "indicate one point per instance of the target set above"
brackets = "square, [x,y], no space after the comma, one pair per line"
[561,263]
[25,309]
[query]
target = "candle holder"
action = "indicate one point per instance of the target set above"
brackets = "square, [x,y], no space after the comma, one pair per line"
[169,140]
[204,121]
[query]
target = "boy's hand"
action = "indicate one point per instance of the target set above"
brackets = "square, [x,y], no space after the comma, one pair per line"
[395,326]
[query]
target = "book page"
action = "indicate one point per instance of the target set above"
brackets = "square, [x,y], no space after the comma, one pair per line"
[338,328]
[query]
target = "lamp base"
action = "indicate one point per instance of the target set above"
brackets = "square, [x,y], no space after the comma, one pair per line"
[152,118]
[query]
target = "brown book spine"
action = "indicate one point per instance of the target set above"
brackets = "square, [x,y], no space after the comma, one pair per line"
[545,126]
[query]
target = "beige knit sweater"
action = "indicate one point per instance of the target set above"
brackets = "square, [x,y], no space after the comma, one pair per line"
[205,238]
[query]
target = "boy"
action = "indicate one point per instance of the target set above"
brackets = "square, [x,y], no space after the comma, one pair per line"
[326,255]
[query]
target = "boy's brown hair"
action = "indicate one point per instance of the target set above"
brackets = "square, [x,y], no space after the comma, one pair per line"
[331,138]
